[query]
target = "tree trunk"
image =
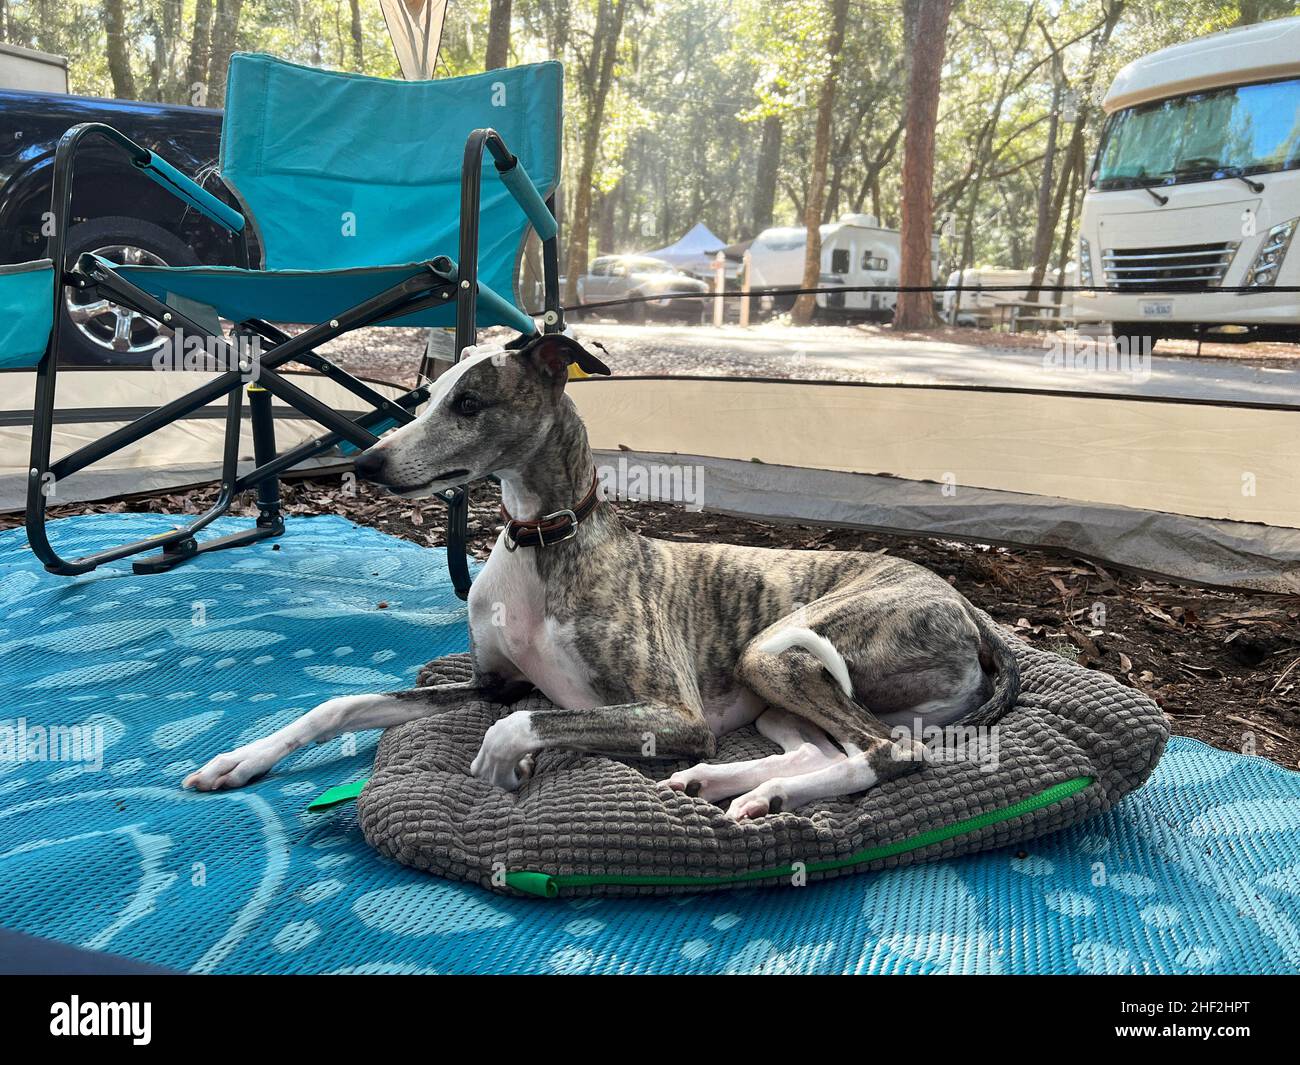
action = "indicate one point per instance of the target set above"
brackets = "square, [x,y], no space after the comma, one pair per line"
[769,165]
[604,51]
[605,222]
[1071,183]
[1047,213]
[1045,226]
[119,59]
[805,306]
[225,25]
[498,42]
[358,38]
[1050,217]
[925,30]
[196,70]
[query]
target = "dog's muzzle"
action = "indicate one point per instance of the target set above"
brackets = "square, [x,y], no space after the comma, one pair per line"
[370,464]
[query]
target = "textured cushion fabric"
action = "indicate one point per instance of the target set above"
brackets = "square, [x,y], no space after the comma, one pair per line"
[1074,744]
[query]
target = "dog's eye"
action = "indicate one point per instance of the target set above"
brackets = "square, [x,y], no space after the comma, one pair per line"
[467,404]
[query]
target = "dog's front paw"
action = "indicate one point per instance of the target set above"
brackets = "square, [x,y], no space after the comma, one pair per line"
[233,769]
[505,760]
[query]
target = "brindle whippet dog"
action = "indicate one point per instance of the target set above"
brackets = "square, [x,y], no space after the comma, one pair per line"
[642,642]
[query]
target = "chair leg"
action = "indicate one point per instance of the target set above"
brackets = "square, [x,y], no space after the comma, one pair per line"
[269,521]
[268,490]
[457,537]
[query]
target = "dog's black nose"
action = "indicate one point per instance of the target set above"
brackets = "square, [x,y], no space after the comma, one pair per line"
[369,463]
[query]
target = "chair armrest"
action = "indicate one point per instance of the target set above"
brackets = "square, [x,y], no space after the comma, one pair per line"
[158,170]
[154,167]
[521,186]
[516,179]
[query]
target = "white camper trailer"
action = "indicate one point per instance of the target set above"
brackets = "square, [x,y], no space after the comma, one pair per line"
[32,71]
[1196,188]
[856,253]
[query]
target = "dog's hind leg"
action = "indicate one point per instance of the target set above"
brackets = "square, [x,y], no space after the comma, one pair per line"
[804,748]
[857,772]
[799,671]
[348,713]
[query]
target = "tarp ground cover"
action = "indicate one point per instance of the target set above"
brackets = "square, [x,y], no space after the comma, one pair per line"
[1198,871]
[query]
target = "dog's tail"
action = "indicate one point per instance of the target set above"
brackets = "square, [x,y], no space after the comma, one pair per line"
[997,658]
[818,646]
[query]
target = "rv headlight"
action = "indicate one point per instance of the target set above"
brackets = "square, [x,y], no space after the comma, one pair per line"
[1264,270]
[1085,262]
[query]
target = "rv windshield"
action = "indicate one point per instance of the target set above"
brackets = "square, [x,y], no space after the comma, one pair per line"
[1203,136]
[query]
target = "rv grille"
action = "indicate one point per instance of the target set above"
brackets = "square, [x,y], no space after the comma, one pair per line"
[1181,267]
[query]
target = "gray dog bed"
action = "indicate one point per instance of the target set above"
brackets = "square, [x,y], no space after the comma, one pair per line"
[1073,745]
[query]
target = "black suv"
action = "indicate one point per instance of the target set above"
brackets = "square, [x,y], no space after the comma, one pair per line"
[117,211]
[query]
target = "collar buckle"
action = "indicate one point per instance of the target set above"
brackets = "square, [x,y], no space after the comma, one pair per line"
[569,535]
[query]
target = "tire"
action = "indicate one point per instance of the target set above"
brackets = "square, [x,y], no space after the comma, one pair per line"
[89,341]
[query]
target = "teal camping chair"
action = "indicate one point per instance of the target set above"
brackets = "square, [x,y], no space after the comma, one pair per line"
[346,193]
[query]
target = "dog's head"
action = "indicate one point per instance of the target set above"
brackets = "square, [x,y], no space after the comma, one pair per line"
[487,413]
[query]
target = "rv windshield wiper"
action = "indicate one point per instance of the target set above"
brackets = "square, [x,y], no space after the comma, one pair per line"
[1142,179]
[1137,182]
[1236,173]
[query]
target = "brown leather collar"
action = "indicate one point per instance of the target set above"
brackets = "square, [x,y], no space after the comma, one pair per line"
[551,528]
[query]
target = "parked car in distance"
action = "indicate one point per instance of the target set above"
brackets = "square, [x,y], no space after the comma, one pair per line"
[616,277]
[117,212]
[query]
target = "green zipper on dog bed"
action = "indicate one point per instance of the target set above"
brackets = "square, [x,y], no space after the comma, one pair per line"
[548,886]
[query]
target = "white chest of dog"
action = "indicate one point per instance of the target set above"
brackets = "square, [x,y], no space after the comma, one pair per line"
[513,635]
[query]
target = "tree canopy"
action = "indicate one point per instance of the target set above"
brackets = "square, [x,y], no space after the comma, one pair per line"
[710,110]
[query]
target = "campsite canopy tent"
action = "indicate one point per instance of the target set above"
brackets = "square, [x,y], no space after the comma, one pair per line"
[694,252]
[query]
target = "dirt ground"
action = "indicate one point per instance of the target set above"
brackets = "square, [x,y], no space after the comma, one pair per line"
[1224,666]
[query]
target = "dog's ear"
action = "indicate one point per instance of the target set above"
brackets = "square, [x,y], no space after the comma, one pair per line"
[551,355]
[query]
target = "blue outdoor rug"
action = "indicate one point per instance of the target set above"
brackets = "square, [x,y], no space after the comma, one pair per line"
[1199,871]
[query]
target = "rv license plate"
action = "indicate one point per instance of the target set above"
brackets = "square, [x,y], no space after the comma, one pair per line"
[1157,309]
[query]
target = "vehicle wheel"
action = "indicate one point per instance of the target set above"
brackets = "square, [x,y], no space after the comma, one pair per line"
[98,333]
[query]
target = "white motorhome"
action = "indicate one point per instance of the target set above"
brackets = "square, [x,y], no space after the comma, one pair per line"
[32,71]
[1196,188]
[856,253]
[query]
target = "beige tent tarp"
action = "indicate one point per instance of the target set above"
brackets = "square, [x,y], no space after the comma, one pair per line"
[1204,460]
[1197,491]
